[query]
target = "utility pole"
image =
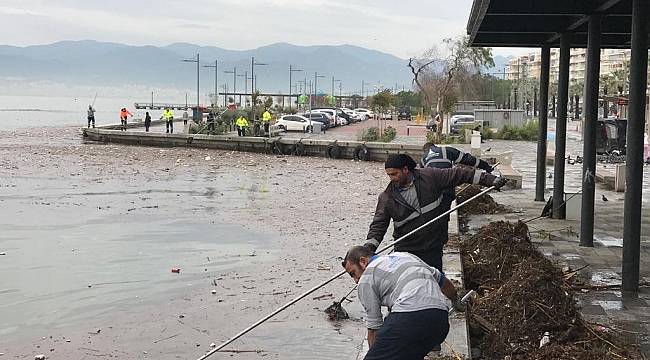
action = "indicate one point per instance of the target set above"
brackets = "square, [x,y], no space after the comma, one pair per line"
[291,71]
[198,68]
[234,82]
[316,76]
[253,63]
[245,76]
[216,79]
[333,94]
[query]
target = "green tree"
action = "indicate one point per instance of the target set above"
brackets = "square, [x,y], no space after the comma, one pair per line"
[383,100]
[268,102]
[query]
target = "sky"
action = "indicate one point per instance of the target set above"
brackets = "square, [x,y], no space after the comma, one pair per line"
[404,28]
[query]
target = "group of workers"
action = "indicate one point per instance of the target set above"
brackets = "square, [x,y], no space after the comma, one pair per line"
[410,282]
[241,123]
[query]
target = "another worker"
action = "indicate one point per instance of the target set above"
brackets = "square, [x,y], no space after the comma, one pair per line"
[412,198]
[168,116]
[147,122]
[211,121]
[266,120]
[124,114]
[414,293]
[91,116]
[242,124]
[445,157]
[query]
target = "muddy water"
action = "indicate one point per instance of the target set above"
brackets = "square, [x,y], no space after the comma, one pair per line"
[92,231]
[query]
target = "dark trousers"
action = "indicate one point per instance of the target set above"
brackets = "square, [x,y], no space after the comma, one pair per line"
[210,127]
[170,126]
[432,257]
[241,131]
[410,335]
[147,124]
[91,119]
[266,127]
[184,121]
[123,122]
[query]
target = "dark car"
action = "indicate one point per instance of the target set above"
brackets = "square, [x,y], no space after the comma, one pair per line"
[404,114]
[320,117]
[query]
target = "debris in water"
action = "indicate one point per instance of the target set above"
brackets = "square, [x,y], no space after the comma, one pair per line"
[336,311]
[176,270]
[39,357]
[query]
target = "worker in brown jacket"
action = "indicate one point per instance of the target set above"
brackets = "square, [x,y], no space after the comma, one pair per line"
[414,197]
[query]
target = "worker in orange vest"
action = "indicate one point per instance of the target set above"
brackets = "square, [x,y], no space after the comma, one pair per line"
[124,114]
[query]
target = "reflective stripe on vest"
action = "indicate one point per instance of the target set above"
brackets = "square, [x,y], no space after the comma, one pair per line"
[425,209]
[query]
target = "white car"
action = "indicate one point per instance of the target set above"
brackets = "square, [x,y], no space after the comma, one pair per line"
[369,114]
[388,115]
[294,123]
[355,115]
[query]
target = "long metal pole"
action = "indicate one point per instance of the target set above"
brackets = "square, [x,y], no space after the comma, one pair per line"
[216,81]
[198,68]
[589,132]
[253,98]
[559,211]
[634,161]
[290,72]
[540,183]
[234,85]
[306,293]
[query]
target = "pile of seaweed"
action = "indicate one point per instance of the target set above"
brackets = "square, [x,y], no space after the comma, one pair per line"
[483,205]
[523,295]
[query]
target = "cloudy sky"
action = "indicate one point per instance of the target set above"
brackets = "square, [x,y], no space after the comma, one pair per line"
[404,28]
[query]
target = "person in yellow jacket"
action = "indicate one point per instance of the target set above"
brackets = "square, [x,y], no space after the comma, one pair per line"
[242,124]
[168,116]
[266,120]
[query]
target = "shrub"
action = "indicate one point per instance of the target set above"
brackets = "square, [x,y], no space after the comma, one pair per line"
[389,134]
[528,132]
[370,134]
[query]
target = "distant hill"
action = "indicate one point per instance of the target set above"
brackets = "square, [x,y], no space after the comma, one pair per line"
[91,62]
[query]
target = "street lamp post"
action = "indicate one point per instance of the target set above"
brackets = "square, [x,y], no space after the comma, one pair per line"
[333,94]
[291,71]
[234,82]
[245,76]
[216,79]
[198,68]
[253,64]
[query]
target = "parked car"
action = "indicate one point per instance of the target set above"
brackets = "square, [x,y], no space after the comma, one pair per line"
[404,114]
[354,116]
[331,112]
[458,122]
[323,118]
[367,113]
[294,123]
[386,115]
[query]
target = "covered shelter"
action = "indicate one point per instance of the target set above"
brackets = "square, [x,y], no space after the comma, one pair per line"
[591,24]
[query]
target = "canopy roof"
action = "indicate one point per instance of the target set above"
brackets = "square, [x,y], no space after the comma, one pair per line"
[535,23]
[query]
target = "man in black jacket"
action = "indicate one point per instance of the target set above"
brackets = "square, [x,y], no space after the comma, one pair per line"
[414,197]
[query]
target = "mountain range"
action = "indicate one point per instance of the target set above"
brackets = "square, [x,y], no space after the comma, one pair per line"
[91,62]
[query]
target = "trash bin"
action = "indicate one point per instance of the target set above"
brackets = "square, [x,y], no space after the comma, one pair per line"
[197,115]
[317,127]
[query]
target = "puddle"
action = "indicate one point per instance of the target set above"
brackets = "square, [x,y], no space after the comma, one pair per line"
[608,304]
[605,278]
[609,241]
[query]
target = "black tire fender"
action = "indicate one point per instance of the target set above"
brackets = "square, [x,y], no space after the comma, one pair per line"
[333,151]
[190,139]
[277,148]
[362,153]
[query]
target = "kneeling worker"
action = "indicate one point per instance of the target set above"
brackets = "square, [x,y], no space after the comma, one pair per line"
[414,293]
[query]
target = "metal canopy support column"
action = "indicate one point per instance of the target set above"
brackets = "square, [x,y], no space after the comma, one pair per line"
[559,211]
[591,117]
[540,184]
[634,162]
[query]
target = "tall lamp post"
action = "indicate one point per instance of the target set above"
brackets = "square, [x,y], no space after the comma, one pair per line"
[312,101]
[333,94]
[234,82]
[253,64]
[291,71]
[216,79]
[198,68]
[245,76]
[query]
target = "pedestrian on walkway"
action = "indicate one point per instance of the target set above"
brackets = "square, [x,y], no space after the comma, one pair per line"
[186,117]
[91,116]
[242,124]
[412,198]
[147,122]
[211,121]
[415,294]
[168,116]
[445,157]
[124,114]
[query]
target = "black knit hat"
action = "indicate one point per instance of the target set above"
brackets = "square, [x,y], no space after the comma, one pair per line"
[399,161]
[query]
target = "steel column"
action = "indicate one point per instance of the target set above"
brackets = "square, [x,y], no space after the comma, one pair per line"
[559,211]
[540,183]
[634,162]
[589,132]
